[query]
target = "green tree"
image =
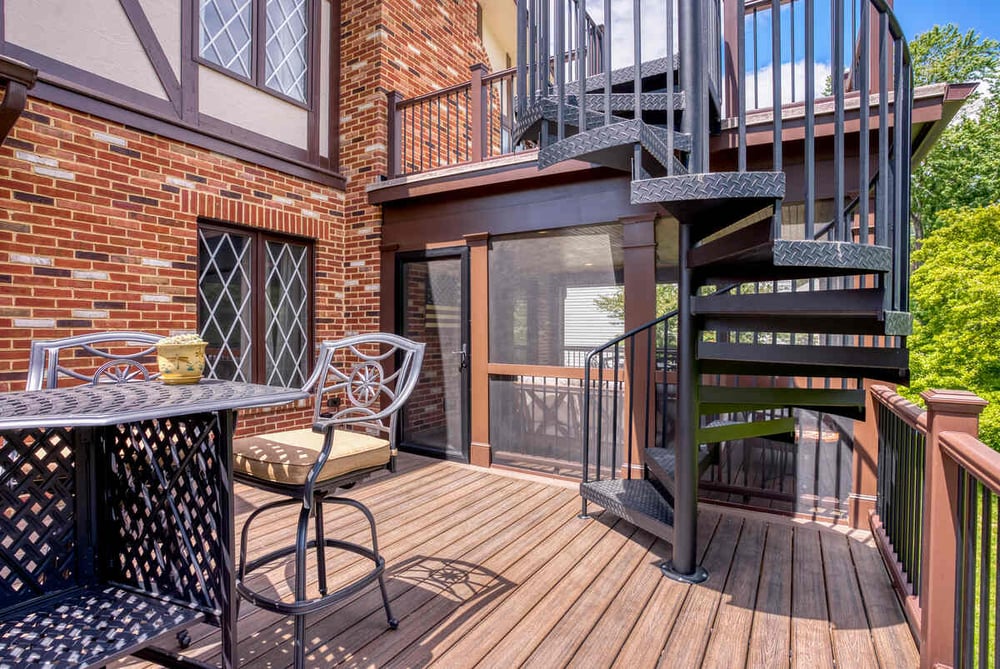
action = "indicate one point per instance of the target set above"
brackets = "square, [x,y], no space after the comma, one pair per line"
[956,291]
[963,167]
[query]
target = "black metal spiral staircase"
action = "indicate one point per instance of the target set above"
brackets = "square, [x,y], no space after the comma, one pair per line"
[814,306]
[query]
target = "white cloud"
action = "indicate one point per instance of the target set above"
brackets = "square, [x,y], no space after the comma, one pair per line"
[765,85]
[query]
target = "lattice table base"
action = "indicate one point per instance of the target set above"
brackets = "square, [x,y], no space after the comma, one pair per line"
[86,627]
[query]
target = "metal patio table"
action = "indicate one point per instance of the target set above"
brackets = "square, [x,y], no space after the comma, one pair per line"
[117,518]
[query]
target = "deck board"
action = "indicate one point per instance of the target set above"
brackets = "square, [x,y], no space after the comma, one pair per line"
[486,569]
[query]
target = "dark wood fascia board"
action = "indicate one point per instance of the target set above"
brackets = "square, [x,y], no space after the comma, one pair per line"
[154,51]
[490,180]
[535,206]
[314,46]
[239,144]
[926,137]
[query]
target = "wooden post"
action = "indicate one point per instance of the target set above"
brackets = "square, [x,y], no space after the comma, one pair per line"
[639,251]
[864,488]
[947,411]
[480,452]
[395,134]
[477,101]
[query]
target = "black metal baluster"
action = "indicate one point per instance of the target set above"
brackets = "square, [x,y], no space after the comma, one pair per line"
[841,231]
[864,113]
[776,136]
[670,110]
[637,172]
[810,120]
[560,70]
[984,574]
[881,226]
[606,46]
[741,75]
[581,57]
[756,67]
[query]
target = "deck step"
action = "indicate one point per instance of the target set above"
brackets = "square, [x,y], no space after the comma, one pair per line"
[849,362]
[613,146]
[751,254]
[854,311]
[653,73]
[634,500]
[661,463]
[727,399]
[711,202]
[625,102]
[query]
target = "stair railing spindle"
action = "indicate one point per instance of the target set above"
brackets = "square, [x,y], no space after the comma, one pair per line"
[864,113]
[600,416]
[837,41]
[606,47]
[522,60]
[776,130]
[582,60]
[560,55]
[669,35]
[882,199]
[741,74]
[637,172]
[810,121]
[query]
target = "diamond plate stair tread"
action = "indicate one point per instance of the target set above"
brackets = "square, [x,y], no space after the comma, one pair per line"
[547,109]
[86,627]
[634,500]
[612,145]
[625,102]
[624,76]
[886,364]
[713,200]
[787,258]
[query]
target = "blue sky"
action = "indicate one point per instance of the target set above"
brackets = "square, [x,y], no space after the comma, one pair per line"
[916,16]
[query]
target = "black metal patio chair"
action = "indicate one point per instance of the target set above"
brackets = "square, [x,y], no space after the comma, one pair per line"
[357,397]
[98,357]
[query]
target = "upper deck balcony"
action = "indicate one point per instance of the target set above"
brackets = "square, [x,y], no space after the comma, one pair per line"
[473,125]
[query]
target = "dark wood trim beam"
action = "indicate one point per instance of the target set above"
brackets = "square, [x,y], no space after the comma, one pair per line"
[189,68]
[314,46]
[17,78]
[333,133]
[154,51]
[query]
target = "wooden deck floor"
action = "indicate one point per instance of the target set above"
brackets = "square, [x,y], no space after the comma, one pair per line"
[492,570]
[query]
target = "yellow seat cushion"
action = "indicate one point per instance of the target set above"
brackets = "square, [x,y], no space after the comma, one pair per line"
[287,457]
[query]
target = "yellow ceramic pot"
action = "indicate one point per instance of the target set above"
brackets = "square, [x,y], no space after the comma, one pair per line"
[181,363]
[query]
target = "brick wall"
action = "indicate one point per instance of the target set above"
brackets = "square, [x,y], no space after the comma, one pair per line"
[98,232]
[98,221]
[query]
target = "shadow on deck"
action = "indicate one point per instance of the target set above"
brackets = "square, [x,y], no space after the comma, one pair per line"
[491,570]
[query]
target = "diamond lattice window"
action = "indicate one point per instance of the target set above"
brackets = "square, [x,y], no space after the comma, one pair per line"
[232,32]
[285,51]
[254,305]
[227,34]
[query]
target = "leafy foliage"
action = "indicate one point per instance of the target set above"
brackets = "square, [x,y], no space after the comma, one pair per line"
[945,55]
[963,167]
[956,290]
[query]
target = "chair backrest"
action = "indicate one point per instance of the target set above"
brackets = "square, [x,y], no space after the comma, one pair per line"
[352,385]
[99,357]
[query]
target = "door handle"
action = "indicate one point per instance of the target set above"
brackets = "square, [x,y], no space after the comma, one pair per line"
[463,357]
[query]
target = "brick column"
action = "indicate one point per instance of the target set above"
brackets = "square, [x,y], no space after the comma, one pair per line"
[947,411]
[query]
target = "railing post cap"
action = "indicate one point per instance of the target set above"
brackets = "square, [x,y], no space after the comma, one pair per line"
[959,402]
[478,66]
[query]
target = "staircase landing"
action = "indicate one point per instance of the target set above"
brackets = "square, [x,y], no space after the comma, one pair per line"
[490,570]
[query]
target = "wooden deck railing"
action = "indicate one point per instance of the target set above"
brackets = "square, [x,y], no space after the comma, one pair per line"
[465,123]
[936,525]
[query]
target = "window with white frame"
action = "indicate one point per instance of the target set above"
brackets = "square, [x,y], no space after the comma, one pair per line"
[265,42]
[255,305]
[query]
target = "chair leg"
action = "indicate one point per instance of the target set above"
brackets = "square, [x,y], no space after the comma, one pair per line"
[301,546]
[320,546]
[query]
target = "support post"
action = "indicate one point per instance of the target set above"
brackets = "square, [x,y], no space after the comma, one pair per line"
[480,452]
[694,81]
[639,250]
[683,565]
[947,411]
[477,111]
[395,130]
